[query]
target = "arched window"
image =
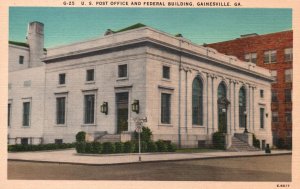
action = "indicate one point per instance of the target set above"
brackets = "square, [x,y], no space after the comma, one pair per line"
[197,101]
[221,90]
[242,106]
[222,108]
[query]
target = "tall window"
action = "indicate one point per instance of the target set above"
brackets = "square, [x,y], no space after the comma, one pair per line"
[262,118]
[90,75]
[288,95]
[165,108]
[166,72]
[270,56]
[242,106]
[26,113]
[288,117]
[261,93]
[122,70]
[21,59]
[221,90]
[197,103]
[275,117]
[60,110]
[8,114]
[274,75]
[274,96]
[288,54]
[89,108]
[251,57]
[62,79]
[288,75]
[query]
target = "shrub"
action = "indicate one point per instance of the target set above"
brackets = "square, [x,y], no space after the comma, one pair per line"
[89,148]
[171,147]
[161,146]
[145,134]
[151,146]
[108,148]
[219,140]
[80,147]
[256,142]
[38,147]
[80,136]
[97,147]
[128,147]
[119,147]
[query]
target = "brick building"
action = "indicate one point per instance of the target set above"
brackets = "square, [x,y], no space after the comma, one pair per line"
[273,51]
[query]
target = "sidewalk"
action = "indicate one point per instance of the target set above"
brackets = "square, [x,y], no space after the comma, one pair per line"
[71,157]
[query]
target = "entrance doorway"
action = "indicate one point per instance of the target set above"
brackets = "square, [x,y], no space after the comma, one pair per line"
[122,111]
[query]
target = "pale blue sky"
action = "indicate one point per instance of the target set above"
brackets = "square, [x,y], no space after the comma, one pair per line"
[201,25]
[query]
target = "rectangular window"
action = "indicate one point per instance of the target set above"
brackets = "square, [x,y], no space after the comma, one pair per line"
[58,141]
[166,72]
[270,56]
[90,75]
[275,117]
[122,71]
[60,110]
[288,117]
[21,59]
[251,57]
[274,96]
[62,79]
[24,141]
[288,95]
[274,75]
[89,108]
[26,113]
[261,93]
[288,75]
[288,54]
[8,114]
[165,108]
[262,118]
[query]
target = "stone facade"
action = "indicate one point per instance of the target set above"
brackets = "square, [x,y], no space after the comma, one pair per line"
[160,71]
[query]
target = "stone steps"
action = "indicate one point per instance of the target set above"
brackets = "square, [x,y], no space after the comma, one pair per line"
[238,146]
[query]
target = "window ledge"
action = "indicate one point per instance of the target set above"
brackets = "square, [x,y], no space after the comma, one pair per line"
[165,125]
[25,127]
[58,125]
[166,79]
[198,126]
[61,86]
[122,78]
[88,125]
[90,82]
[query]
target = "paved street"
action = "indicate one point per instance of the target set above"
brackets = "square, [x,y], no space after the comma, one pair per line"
[256,168]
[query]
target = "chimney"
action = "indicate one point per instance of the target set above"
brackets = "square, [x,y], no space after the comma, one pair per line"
[35,40]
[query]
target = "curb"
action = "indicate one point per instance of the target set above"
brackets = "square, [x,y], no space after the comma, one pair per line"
[151,161]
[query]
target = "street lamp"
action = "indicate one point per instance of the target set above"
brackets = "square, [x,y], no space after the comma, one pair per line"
[104,108]
[135,106]
[245,114]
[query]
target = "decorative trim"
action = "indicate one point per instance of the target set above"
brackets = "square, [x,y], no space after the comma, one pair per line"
[63,92]
[88,90]
[123,86]
[165,87]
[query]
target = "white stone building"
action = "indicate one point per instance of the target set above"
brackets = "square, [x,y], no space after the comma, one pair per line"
[186,91]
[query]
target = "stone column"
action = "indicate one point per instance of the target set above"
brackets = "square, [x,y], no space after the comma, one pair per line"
[214,104]
[229,124]
[208,103]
